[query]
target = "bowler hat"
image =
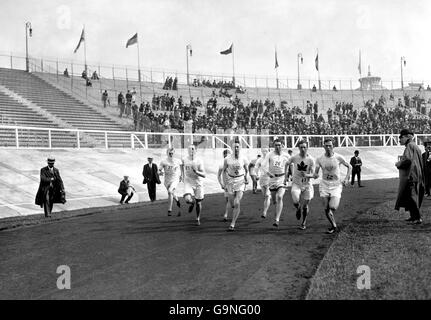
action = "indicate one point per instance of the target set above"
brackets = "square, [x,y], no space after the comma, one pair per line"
[405,132]
[51,159]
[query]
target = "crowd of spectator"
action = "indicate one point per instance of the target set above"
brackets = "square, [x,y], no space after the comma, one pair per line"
[373,117]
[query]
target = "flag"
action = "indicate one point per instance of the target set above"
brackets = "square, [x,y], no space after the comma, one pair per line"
[359,65]
[189,49]
[316,61]
[80,40]
[404,62]
[276,61]
[132,40]
[228,50]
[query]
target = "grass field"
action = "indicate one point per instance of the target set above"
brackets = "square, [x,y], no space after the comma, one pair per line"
[397,253]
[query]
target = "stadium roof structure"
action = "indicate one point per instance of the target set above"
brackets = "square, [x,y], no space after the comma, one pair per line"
[370,82]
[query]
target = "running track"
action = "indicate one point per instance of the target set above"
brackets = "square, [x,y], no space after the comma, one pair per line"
[142,253]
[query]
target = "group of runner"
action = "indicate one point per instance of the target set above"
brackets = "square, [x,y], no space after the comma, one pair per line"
[272,170]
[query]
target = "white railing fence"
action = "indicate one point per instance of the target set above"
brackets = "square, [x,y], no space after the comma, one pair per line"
[49,138]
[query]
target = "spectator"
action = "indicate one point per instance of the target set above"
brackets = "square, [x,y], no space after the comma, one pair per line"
[94,76]
[105,98]
[121,103]
[66,73]
[126,190]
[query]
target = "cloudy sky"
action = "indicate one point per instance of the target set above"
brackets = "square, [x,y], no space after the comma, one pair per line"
[384,30]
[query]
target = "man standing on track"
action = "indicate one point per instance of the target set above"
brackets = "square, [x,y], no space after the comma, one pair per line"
[193,172]
[151,178]
[303,170]
[277,172]
[222,179]
[171,169]
[331,186]
[262,170]
[236,167]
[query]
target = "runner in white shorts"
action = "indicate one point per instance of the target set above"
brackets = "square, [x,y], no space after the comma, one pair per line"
[302,165]
[171,169]
[236,167]
[193,173]
[331,186]
[277,176]
[222,179]
[262,170]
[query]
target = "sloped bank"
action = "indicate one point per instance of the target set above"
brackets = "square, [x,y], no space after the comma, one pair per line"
[397,254]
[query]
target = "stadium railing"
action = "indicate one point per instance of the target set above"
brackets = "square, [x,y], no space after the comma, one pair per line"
[42,138]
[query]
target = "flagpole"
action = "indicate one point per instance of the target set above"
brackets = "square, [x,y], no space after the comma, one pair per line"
[276,69]
[187,59]
[233,64]
[85,52]
[318,69]
[139,72]
[360,67]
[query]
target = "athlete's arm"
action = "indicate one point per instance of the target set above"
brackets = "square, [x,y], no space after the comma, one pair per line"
[312,167]
[346,179]
[286,170]
[200,171]
[316,172]
[182,170]
[246,171]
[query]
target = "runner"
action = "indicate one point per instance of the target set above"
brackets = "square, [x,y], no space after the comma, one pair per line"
[302,165]
[330,187]
[193,173]
[171,169]
[236,167]
[277,174]
[253,173]
[222,179]
[262,170]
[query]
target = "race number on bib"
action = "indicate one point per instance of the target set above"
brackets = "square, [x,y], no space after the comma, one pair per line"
[330,177]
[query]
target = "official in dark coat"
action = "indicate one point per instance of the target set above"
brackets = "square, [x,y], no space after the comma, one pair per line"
[51,188]
[151,178]
[411,172]
[356,164]
[426,159]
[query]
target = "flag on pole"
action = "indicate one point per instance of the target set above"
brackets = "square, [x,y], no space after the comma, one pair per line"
[132,40]
[316,61]
[276,60]
[228,50]
[80,40]
[359,65]
[189,49]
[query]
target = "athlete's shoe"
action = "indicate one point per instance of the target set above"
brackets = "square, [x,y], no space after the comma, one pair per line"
[331,230]
[275,224]
[409,219]
[263,216]
[169,212]
[179,214]
[419,221]
[191,207]
[224,218]
[198,222]
[298,213]
[302,226]
[231,228]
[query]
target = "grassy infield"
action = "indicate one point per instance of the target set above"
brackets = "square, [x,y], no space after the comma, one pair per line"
[398,254]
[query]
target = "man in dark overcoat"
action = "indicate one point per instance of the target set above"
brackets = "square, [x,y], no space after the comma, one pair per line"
[51,188]
[411,174]
[151,178]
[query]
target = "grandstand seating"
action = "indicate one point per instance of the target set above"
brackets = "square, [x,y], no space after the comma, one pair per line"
[60,105]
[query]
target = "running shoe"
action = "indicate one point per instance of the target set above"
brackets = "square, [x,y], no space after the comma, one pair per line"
[263,216]
[419,221]
[409,219]
[275,224]
[198,222]
[331,230]
[231,228]
[302,227]
[169,212]
[224,218]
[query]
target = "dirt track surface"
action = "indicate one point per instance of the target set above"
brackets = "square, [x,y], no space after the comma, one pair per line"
[144,254]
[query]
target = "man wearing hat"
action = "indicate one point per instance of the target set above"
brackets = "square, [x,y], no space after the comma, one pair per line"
[426,159]
[151,178]
[51,188]
[411,172]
